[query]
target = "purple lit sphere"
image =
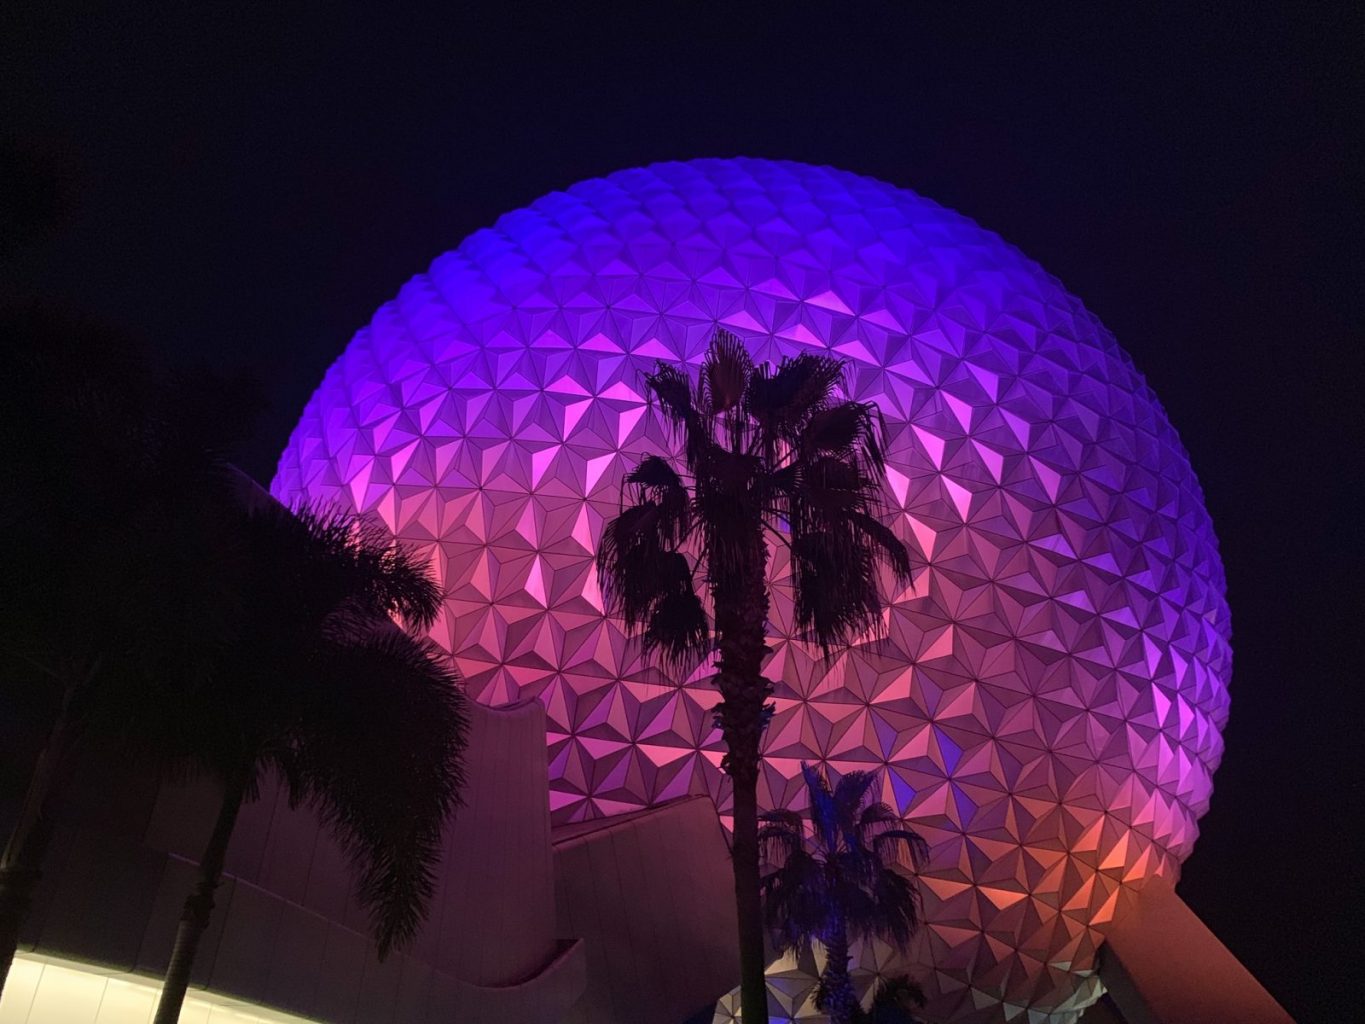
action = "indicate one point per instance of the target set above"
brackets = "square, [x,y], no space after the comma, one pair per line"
[1047,704]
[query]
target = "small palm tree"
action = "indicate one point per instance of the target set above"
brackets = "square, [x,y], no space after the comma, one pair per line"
[841,886]
[361,721]
[767,454]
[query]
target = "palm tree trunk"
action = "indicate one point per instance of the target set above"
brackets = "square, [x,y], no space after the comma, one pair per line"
[753,986]
[840,999]
[21,862]
[742,618]
[194,919]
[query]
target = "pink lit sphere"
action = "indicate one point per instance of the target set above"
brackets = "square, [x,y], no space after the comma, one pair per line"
[1046,704]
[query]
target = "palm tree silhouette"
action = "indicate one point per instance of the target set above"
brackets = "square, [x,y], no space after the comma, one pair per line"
[113,475]
[361,721]
[767,454]
[841,886]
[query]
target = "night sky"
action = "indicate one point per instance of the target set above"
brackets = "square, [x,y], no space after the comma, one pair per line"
[243,187]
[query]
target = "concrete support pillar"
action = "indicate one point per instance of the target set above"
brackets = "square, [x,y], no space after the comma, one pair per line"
[1162,965]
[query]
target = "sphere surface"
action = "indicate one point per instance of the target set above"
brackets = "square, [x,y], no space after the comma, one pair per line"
[1047,697]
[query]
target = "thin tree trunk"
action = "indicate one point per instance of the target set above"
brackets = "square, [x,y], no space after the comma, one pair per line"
[21,862]
[741,618]
[840,999]
[194,919]
[753,986]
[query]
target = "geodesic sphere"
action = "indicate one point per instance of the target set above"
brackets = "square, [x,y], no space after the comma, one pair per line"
[1046,701]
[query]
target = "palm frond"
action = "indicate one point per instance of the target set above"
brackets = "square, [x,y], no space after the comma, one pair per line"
[658,483]
[848,796]
[835,587]
[823,811]
[851,789]
[886,544]
[894,909]
[782,402]
[380,755]
[654,475]
[678,628]
[795,901]
[851,431]
[877,814]
[645,580]
[780,834]
[373,570]
[889,842]
[876,817]
[725,374]
[669,389]
[630,560]
[837,544]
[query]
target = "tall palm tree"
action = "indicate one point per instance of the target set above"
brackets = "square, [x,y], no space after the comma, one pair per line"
[111,469]
[842,886]
[361,721]
[766,454]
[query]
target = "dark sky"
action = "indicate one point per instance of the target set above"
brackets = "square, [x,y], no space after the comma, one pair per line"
[247,184]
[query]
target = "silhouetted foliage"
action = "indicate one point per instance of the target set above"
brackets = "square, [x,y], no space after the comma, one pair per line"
[840,884]
[156,607]
[898,1000]
[765,453]
[114,481]
[361,721]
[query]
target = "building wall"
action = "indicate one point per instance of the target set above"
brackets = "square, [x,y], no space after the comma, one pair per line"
[651,894]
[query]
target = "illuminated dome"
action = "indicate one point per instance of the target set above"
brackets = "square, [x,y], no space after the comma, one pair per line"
[1048,701]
